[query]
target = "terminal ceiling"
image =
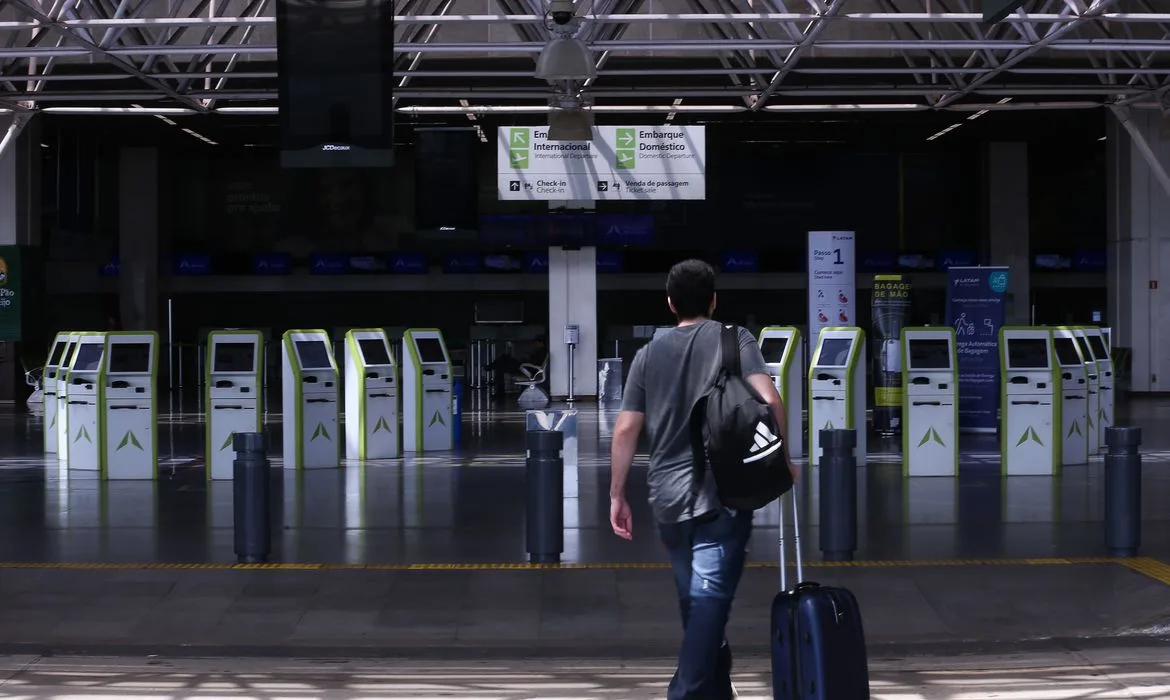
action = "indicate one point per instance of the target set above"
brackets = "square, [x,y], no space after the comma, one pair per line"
[684,60]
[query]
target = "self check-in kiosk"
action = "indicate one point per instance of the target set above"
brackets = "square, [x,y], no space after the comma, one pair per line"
[371,396]
[426,391]
[1030,417]
[128,414]
[63,436]
[312,401]
[1093,372]
[930,402]
[49,385]
[1105,393]
[83,415]
[234,395]
[780,346]
[1074,397]
[836,388]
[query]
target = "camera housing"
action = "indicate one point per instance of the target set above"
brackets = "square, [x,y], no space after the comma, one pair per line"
[561,11]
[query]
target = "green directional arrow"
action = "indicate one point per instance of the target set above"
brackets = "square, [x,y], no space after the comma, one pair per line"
[931,435]
[320,431]
[1030,434]
[227,442]
[1102,418]
[437,419]
[382,425]
[128,439]
[53,422]
[1075,428]
[83,433]
[828,425]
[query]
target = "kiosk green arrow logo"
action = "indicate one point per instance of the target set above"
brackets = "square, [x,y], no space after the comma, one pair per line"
[227,442]
[1030,434]
[625,154]
[54,421]
[128,439]
[931,435]
[1101,417]
[382,425]
[828,425]
[320,431]
[518,143]
[437,419]
[83,433]
[1074,428]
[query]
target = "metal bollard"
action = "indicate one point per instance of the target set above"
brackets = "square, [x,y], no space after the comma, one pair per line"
[838,482]
[1123,491]
[252,490]
[544,483]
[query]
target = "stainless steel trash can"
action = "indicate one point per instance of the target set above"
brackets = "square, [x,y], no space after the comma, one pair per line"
[609,379]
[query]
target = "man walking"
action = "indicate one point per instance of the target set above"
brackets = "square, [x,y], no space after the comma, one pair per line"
[706,542]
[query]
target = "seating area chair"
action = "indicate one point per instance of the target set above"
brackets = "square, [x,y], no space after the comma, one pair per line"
[533,396]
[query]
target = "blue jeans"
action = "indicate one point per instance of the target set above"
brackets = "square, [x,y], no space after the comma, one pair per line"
[707,557]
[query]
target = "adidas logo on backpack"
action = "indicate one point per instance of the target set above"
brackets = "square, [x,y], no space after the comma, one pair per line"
[765,444]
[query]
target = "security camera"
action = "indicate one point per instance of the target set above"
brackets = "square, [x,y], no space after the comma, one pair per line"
[561,11]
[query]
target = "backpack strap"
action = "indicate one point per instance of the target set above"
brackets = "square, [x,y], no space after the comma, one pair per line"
[698,451]
[729,350]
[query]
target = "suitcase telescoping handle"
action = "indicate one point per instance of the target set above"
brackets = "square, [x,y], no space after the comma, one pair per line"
[796,541]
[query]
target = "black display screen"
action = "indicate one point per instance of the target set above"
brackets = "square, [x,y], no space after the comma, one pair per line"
[1086,353]
[313,354]
[1027,353]
[1066,351]
[89,356]
[132,358]
[430,350]
[234,357]
[374,351]
[835,352]
[56,352]
[1098,346]
[67,356]
[929,353]
[773,350]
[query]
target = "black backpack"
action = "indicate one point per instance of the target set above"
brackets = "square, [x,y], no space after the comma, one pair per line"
[733,431]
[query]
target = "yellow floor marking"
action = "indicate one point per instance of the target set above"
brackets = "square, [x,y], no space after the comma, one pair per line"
[1159,571]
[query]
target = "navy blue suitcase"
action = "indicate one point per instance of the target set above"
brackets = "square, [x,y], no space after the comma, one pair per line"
[818,641]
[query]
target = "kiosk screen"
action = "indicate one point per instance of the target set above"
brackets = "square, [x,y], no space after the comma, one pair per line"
[1098,346]
[773,350]
[89,356]
[55,354]
[67,356]
[374,351]
[1066,351]
[929,353]
[835,352]
[1027,353]
[234,357]
[314,354]
[1085,352]
[430,350]
[129,358]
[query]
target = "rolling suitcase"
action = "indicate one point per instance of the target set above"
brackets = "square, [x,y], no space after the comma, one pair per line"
[818,642]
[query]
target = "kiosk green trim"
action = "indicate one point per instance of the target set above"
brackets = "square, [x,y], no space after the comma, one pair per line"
[416,362]
[905,352]
[857,352]
[299,394]
[103,369]
[1057,414]
[99,440]
[208,365]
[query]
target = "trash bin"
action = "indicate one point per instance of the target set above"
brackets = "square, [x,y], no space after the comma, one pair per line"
[609,379]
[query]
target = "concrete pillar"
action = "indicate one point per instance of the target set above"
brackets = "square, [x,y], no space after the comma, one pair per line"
[572,299]
[138,234]
[1138,273]
[20,181]
[1007,224]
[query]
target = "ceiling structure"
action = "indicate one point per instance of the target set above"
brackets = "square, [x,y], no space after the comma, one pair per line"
[659,57]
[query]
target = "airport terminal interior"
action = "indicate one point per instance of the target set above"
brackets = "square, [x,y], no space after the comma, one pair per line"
[289,290]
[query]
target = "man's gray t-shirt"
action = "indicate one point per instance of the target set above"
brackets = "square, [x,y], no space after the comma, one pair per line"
[667,377]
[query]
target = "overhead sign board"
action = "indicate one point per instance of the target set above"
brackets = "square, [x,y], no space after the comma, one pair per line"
[621,162]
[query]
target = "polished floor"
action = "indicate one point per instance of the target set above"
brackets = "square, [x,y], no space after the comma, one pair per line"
[467,506]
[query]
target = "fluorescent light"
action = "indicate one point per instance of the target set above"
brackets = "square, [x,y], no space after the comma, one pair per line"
[860,107]
[248,110]
[945,131]
[542,109]
[135,110]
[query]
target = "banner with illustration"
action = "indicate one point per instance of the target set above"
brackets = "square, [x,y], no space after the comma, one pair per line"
[976,306]
[890,306]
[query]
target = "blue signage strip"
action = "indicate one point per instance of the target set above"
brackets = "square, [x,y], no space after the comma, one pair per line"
[1090,261]
[192,264]
[976,307]
[328,264]
[609,262]
[461,264]
[536,262]
[271,264]
[112,268]
[408,264]
[743,261]
[878,262]
[956,258]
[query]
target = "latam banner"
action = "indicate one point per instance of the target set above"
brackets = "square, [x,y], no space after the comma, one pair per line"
[890,306]
[976,306]
[620,162]
[832,283]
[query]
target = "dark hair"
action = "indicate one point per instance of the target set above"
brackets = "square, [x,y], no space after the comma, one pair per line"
[691,288]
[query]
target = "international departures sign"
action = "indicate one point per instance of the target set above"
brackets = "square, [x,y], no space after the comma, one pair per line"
[621,162]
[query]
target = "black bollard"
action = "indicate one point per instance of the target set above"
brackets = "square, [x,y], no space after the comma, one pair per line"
[252,491]
[838,480]
[1123,491]
[544,481]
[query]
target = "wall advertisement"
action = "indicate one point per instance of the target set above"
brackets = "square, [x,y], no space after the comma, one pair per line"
[832,282]
[976,305]
[621,162]
[10,294]
[890,305]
